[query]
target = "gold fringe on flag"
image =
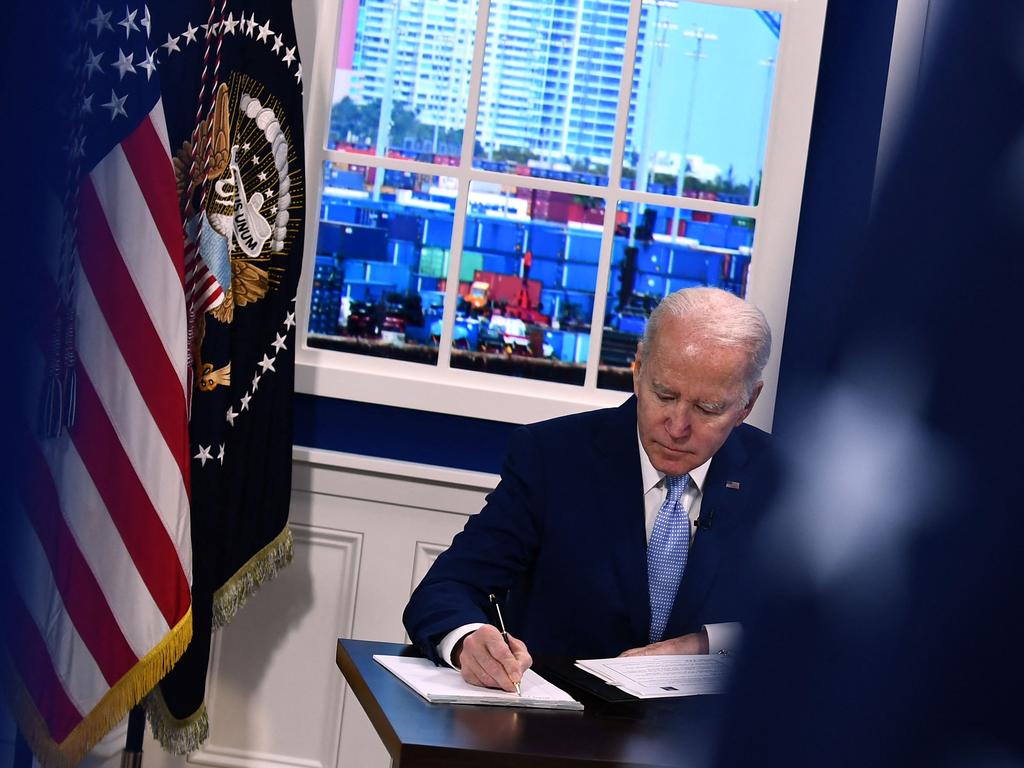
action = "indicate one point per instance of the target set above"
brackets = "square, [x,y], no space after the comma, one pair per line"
[111,709]
[261,568]
[179,737]
[182,736]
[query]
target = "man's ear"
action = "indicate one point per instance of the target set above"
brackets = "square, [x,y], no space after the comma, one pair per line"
[750,403]
[636,367]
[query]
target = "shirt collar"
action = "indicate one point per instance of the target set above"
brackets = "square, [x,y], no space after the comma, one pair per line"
[652,476]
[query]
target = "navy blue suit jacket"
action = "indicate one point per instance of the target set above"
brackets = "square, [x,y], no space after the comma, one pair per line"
[562,541]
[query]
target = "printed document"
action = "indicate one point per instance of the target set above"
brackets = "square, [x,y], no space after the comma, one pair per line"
[649,677]
[444,685]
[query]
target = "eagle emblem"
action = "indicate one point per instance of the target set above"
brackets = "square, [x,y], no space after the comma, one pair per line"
[241,229]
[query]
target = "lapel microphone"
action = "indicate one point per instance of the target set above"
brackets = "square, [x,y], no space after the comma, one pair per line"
[703,523]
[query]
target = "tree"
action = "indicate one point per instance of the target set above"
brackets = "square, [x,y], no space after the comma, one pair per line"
[511,154]
[405,124]
[357,124]
[354,123]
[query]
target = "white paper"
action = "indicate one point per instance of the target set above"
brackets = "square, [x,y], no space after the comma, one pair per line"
[444,685]
[649,677]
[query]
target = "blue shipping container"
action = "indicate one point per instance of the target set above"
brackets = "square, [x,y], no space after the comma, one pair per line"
[583,246]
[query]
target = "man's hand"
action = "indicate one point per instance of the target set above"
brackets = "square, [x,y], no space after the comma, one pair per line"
[484,659]
[693,644]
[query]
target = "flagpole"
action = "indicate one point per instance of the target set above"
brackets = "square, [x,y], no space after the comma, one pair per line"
[132,755]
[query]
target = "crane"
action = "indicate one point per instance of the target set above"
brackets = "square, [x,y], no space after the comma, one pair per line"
[772,20]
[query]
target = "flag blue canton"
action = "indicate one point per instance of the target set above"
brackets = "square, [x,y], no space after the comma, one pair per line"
[121,82]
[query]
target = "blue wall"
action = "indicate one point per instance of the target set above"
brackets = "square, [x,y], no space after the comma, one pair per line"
[400,433]
[837,198]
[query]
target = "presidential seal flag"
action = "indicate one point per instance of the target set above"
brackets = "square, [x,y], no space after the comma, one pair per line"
[98,560]
[232,85]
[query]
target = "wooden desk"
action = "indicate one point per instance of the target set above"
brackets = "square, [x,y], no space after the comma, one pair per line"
[417,734]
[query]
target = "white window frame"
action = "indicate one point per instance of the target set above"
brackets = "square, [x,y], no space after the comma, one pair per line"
[914,18]
[496,397]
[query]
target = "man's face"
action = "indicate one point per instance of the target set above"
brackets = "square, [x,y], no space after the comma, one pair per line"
[690,395]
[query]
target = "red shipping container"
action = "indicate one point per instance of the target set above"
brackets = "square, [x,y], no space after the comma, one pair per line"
[505,288]
[483,276]
[557,210]
[357,150]
[680,231]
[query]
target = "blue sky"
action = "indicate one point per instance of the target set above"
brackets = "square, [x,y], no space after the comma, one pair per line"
[727,111]
[730,85]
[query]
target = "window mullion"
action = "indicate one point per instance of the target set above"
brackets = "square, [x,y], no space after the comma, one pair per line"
[464,176]
[475,78]
[451,291]
[611,201]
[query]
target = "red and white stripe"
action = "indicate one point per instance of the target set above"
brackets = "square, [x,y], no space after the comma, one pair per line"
[201,287]
[102,518]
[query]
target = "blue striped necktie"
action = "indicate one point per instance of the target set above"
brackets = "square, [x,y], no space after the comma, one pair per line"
[666,553]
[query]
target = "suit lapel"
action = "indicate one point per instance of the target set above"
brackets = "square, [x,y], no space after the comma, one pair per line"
[722,499]
[622,484]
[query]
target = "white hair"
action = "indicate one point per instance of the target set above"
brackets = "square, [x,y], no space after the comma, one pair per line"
[721,318]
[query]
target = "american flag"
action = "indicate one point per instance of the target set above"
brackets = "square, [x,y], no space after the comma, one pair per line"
[202,288]
[102,604]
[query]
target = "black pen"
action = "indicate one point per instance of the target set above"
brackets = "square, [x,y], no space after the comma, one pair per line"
[504,634]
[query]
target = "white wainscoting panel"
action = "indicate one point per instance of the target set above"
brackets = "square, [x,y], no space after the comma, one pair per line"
[273,652]
[423,557]
[366,530]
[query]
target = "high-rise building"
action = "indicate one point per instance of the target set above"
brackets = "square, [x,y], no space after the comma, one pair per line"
[551,69]
[422,50]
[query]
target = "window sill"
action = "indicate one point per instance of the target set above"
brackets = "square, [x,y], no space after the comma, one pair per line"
[476,395]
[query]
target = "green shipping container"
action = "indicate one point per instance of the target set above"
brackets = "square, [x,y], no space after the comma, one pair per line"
[434,261]
[471,263]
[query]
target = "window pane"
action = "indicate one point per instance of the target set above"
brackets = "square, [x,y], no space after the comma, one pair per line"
[414,56]
[526,283]
[702,88]
[378,283]
[648,263]
[550,87]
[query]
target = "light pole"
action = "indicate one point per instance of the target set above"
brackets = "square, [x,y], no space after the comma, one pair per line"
[652,64]
[437,116]
[571,78]
[442,116]
[699,34]
[384,121]
[769,65]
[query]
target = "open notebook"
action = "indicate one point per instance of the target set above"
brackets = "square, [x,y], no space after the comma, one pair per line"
[443,685]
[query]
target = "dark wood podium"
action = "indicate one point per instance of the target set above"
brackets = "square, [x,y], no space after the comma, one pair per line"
[417,734]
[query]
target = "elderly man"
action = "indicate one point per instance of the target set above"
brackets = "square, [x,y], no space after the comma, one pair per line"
[618,530]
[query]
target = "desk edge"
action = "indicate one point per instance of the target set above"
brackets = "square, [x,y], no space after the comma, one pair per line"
[373,711]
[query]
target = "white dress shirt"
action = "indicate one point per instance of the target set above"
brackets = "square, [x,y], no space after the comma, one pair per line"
[721,637]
